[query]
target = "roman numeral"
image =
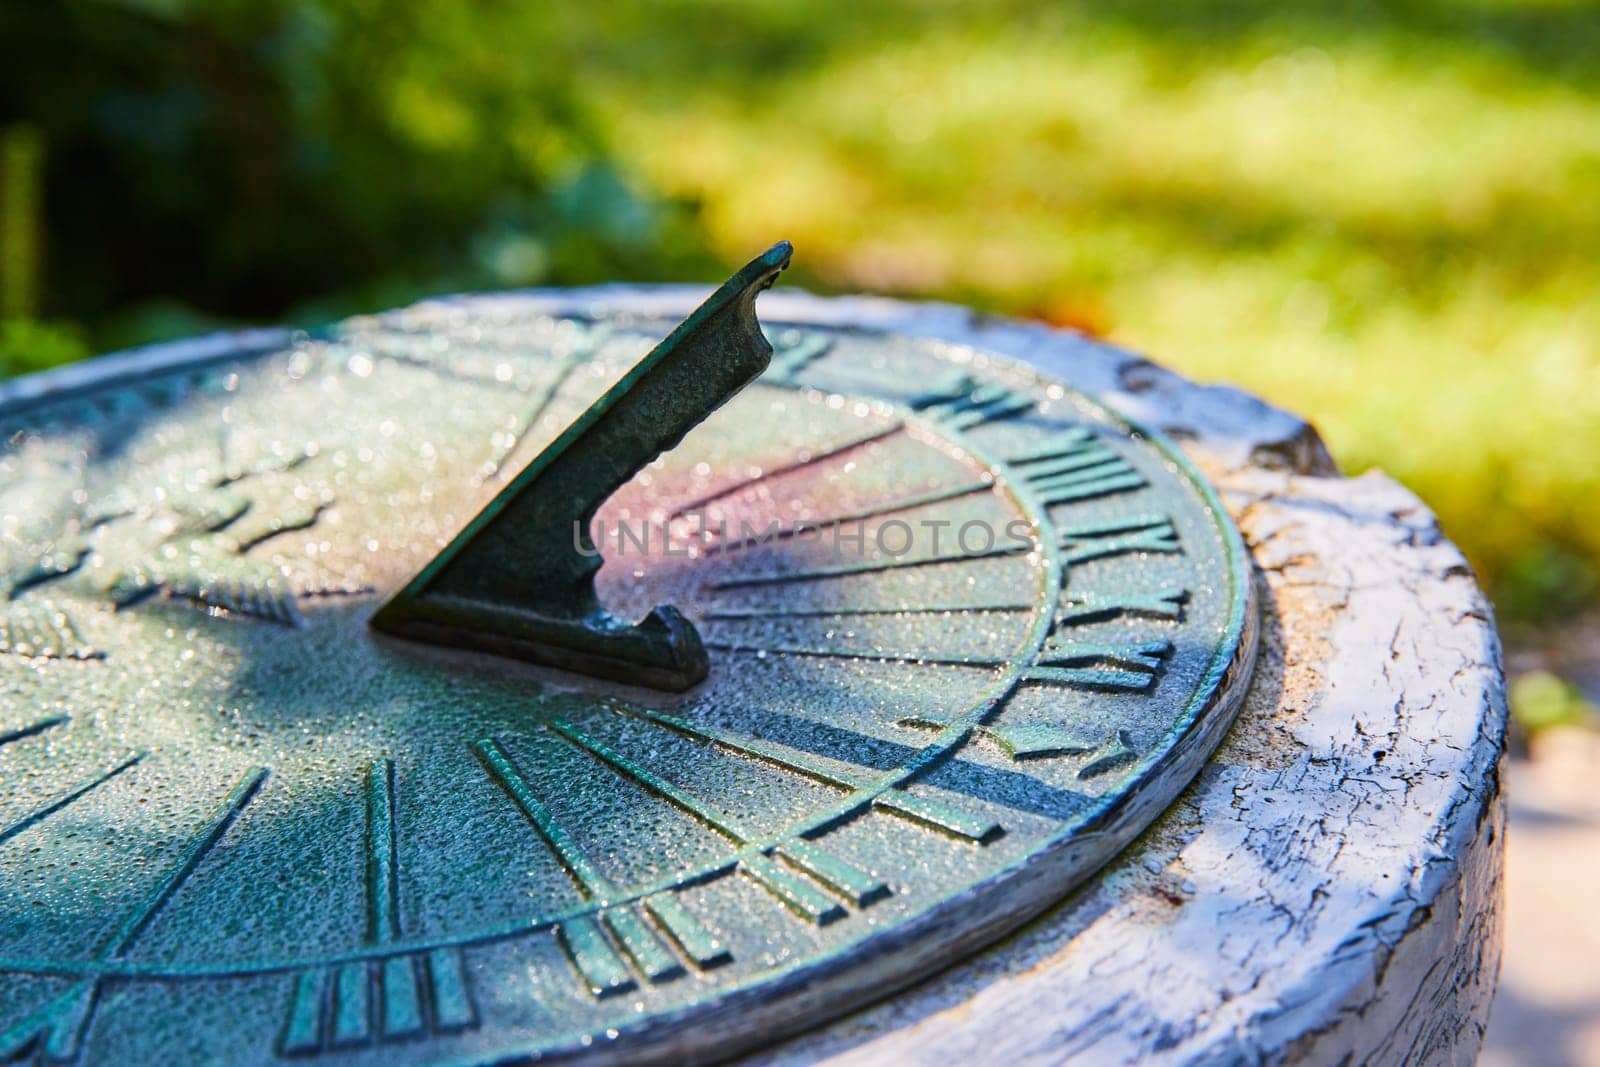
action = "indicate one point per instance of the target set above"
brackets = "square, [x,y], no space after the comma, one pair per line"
[1018,742]
[1075,465]
[963,404]
[1099,666]
[1083,608]
[1131,535]
[333,1007]
[1116,752]
[54,1029]
[603,947]
[783,880]
[1031,741]
[388,998]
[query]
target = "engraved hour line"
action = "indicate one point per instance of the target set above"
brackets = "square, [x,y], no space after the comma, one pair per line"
[777,611]
[1077,609]
[1143,533]
[803,897]
[848,570]
[380,344]
[73,794]
[37,727]
[597,963]
[1091,666]
[581,351]
[243,792]
[590,880]
[932,813]
[789,468]
[793,352]
[1032,742]
[59,1025]
[935,496]
[1019,742]
[383,883]
[343,1018]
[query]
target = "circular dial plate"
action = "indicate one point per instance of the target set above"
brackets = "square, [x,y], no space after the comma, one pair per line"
[969,633]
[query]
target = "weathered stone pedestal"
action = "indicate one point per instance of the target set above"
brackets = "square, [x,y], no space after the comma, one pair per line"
[1329,890]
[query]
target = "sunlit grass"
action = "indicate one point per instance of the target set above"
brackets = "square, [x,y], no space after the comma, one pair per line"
[1396,236]
[1383,214]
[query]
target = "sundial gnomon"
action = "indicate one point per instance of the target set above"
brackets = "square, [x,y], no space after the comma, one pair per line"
[236,822]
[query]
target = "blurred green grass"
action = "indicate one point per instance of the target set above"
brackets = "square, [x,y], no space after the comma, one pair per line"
[1385,216]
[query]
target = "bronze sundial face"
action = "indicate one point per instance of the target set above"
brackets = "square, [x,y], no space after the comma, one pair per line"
[965,633]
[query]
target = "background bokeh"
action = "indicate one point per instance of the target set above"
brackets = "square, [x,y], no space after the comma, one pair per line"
[1383,215]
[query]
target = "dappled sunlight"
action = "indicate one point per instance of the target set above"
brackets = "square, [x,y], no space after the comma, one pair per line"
[1392,239]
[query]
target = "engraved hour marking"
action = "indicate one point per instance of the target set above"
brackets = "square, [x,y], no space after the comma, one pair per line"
[32,628]
[777,611]
[1085,665]
[77,792]
[243,792]
[848,570]
[334,1007]
[965,404]
[337,1001]
[1079,544]
[1073,466]
[601,966]
[780,532]
[39,726]
[1042,740]
[1017,742]
[596,336]
[1119,537]
[932,813]
[57,1027]
[1081,608]
[1080,664]
[589,878]
[789,468]
[876,656]
[782,881]
[792,352]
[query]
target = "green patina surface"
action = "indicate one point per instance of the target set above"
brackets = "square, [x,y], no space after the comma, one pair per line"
[237,822]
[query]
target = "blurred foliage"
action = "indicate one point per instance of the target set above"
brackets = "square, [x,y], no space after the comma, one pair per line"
[244,158]
[1384,215]
[1540,700]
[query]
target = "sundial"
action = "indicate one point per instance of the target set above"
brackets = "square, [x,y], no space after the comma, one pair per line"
[495,686]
